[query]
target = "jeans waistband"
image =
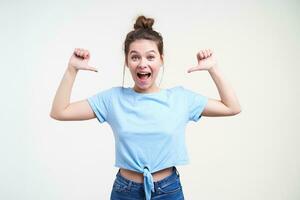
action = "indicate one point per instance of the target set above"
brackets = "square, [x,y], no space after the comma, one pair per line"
[174,175]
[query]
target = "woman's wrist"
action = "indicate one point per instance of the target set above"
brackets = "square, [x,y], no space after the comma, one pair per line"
[72,69]
[213,69]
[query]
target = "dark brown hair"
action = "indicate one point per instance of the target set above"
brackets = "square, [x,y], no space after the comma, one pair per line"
[142,30]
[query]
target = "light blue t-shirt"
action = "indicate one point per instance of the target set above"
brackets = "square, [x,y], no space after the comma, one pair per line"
[149,128]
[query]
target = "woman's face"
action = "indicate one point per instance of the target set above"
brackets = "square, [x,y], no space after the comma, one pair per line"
[144,62]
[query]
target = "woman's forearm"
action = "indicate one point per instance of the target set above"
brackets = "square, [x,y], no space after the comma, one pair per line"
[63,93]
[226,92]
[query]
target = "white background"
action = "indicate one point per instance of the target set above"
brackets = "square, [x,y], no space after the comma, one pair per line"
[250,156]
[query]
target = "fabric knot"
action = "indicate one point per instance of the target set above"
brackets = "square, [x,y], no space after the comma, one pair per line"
[148,183]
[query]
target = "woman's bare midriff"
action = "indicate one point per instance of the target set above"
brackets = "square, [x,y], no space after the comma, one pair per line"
[139,177]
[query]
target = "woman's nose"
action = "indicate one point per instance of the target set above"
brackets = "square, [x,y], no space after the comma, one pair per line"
[143,63]
[142,66]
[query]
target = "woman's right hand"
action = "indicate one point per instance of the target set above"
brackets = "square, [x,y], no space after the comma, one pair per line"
[79,60]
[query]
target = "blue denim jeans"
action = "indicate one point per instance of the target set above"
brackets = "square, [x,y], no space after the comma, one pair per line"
[169,188]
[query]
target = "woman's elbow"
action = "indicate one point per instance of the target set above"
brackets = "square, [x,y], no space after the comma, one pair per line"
[55,116]
[236,111]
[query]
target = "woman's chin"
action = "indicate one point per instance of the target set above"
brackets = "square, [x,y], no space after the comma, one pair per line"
[143,87]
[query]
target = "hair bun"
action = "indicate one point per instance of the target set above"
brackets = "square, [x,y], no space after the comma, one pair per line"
[143,22]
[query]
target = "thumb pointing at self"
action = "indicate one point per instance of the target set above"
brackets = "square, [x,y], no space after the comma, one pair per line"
[92,68]
[192,69]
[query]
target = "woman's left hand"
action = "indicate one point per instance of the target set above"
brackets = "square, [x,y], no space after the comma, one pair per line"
[206,60]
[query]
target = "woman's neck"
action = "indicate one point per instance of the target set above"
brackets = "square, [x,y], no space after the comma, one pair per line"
[152,89]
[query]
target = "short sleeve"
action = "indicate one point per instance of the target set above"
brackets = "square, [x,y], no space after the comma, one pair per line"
[196,103]
[100,104]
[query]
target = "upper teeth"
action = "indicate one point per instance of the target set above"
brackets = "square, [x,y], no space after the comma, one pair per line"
[144,73]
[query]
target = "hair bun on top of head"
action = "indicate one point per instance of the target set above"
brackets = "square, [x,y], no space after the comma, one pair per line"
[143,22]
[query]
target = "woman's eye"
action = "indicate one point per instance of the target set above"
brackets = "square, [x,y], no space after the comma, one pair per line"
[151,57]
[134,57]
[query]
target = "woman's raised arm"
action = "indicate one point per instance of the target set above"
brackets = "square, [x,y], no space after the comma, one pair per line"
[228,105]
[62,109]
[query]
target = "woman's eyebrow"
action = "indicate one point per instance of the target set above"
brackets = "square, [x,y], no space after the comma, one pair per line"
[133,51]
[151,51]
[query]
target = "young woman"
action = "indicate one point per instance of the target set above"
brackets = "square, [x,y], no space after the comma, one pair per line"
[148,122]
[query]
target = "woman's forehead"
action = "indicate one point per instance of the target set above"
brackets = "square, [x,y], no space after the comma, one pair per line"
[143,46]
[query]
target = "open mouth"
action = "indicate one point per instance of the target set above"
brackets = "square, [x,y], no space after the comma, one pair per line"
[143,76]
